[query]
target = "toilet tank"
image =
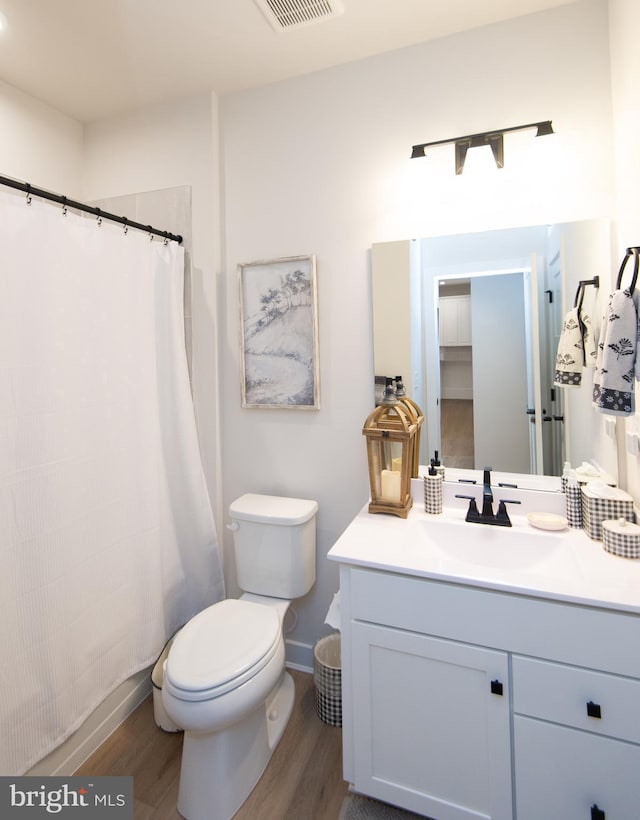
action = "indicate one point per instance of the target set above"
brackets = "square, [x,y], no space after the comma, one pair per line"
[275,544]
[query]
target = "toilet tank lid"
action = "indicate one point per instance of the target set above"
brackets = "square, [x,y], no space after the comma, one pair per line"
[272,509]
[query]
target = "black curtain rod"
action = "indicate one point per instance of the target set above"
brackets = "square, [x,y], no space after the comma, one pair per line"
[89,209]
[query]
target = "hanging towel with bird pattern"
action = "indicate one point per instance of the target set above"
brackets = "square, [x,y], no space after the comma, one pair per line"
[576,348]
[617,363]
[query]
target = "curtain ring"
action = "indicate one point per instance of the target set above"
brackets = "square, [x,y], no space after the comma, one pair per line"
[28,194]
[98,217]
[64,205]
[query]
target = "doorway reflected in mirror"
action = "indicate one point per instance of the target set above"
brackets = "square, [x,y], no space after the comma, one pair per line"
[456,426]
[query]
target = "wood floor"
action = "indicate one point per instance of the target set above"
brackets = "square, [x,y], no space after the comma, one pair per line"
[456,431]
[303,778]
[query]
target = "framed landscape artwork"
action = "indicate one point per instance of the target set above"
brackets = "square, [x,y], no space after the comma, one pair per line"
[279,333]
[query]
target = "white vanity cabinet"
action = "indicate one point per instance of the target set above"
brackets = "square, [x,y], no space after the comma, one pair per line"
[466,702]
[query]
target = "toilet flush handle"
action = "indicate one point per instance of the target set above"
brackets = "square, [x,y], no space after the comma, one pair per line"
[233,526]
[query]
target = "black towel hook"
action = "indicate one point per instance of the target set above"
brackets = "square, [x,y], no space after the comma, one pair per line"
[582,284]
[630,252]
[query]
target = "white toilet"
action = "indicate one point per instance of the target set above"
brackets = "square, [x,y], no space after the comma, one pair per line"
[225,682]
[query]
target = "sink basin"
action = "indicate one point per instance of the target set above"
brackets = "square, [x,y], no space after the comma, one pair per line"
[485,545]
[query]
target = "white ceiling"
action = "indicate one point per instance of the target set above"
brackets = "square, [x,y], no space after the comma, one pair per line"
[93,58]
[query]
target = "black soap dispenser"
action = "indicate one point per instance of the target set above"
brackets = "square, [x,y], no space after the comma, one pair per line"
[437,465]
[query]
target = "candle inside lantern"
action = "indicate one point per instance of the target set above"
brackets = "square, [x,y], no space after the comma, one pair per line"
[391,485]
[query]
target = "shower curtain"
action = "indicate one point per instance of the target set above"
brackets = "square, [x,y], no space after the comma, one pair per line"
[107,538]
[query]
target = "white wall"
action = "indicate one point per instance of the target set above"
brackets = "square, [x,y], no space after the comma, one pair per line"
[320,164]
[625,70]
[38,144]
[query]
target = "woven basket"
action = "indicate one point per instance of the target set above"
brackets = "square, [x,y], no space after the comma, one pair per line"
[327,677]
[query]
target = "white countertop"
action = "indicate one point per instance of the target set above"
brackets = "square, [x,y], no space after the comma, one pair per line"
[566,565]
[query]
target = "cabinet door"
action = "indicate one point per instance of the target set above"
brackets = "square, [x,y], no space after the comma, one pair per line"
[455,320]
[573,775]
[430,735]
[448,321]
[464,320]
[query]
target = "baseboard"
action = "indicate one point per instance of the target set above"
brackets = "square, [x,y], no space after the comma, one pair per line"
[458,393]
[66,759]
[299,656]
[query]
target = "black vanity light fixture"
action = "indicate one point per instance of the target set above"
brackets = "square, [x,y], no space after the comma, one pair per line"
[494,139]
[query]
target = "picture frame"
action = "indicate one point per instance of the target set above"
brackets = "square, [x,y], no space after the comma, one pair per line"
[279,333]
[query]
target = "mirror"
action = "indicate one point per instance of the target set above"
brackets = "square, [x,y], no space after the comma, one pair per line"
[472,324]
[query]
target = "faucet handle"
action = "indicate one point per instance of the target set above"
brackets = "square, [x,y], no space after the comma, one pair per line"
[472,512]
[502,515]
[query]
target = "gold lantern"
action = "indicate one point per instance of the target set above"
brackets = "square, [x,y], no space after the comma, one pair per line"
[391,431]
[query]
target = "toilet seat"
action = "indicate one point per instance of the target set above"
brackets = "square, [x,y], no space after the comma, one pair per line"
[221,648]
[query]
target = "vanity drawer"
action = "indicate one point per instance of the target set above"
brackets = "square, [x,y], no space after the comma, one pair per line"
[565,774]
[564,633]
[592,701]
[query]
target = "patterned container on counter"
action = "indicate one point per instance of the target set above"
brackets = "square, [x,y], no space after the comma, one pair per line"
[621,538]
[573,502]
[433,494]
[596,509]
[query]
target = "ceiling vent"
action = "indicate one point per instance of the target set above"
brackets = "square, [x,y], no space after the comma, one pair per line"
[285,15]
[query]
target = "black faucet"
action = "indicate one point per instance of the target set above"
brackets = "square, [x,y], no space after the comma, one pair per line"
[487,495]
[487,516]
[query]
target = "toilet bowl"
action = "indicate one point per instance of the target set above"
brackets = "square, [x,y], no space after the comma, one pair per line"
[229,658]
[225,682]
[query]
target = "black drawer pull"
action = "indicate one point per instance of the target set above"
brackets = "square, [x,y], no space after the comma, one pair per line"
[594,710]
[596,813]
[496,687]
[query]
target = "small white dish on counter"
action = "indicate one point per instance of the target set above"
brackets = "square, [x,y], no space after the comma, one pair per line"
[547,521]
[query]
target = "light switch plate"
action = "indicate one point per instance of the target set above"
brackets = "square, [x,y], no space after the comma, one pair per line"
[633,443]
